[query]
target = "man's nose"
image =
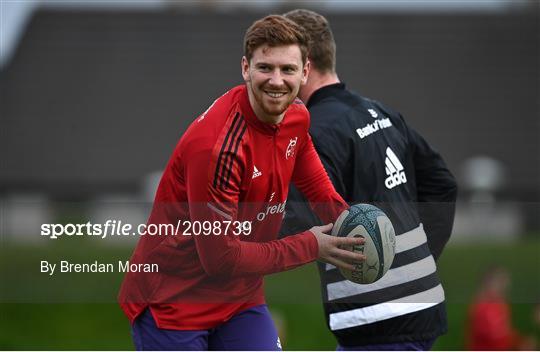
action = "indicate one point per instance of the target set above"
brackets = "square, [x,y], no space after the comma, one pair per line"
[276,78]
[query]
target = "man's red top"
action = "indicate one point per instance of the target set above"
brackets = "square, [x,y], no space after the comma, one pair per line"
[491,326]
[228,166]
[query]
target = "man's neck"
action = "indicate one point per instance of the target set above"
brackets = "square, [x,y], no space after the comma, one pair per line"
[316,81]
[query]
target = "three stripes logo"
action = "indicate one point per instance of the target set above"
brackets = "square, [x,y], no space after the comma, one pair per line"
[256,172]
[227,153]
[394,170]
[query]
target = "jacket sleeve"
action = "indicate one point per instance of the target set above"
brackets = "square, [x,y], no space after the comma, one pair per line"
[436,191]
[310,177]
[227,254]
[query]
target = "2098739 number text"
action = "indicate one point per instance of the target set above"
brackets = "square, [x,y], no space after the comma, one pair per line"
[216,228]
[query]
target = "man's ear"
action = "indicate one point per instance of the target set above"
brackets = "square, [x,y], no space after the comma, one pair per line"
[305,71]
[245,68]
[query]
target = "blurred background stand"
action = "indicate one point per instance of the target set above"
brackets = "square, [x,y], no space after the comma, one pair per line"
[21,217]
[480,216]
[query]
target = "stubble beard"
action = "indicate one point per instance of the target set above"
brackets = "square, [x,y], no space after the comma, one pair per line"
[272,112]
[272,109]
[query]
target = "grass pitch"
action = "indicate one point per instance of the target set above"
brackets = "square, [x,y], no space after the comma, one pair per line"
[77,312]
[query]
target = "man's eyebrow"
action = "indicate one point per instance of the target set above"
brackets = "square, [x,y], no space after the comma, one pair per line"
[290,65]
[272,65]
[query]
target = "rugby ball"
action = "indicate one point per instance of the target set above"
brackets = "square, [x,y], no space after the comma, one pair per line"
[372,224]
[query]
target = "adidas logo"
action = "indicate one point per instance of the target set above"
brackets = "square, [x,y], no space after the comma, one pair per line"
[256,172]
[394,170]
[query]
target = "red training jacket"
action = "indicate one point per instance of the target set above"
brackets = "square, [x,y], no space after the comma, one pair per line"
[228,166]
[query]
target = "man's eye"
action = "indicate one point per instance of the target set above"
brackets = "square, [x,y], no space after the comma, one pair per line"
[289,70]
[264,68]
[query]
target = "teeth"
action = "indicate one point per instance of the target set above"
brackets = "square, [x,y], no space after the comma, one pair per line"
[275,95]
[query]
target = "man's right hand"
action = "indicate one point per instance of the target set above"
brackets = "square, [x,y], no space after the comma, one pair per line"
[330,248]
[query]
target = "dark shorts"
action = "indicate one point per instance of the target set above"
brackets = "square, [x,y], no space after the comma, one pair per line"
[423,345]
[252,329]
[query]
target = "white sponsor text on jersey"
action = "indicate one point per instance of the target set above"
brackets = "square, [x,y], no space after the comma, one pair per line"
[371,128]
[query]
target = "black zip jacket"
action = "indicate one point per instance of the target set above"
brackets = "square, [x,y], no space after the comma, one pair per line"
[373,156]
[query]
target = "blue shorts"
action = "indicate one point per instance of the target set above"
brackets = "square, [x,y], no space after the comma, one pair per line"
[423,345]
[252,329]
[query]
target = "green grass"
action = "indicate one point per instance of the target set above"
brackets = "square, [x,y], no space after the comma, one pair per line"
[460,268]
[63,319]
[65,326]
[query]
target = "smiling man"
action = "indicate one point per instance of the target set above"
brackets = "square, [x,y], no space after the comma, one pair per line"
[226,186]
[273,84]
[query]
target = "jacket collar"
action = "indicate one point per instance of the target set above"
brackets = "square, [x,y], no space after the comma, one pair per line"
[324,92]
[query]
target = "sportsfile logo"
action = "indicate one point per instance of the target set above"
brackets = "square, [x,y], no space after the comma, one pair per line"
[394,170]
